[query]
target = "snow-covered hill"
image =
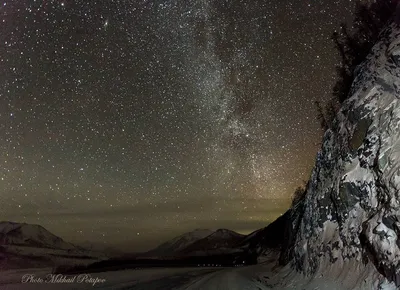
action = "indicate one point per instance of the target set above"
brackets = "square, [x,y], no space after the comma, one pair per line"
[199,242]
[28,245]
[220,241]
[22,234]
[176,245]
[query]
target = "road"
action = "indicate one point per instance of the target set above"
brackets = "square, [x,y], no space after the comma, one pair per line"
[243,278]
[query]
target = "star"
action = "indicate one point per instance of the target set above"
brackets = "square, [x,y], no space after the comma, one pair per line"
[106,23]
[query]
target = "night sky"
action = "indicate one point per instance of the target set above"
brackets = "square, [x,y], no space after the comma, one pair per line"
[131,122]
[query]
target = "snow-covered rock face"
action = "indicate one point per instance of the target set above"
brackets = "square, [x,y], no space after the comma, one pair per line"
[352,208]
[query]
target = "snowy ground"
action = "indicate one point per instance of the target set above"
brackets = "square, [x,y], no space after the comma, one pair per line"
[244,278]
[145,279]
[257,277]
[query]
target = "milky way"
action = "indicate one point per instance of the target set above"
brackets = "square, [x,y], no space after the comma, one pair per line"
[130,122]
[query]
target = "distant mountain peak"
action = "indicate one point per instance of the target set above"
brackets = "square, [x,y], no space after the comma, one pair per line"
[198,241]
[32,235]
[226,231]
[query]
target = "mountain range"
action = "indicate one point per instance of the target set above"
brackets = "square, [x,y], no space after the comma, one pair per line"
[203,242]
[33,245]
[198,242]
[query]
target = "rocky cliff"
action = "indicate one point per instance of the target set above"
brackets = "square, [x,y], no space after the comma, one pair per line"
[351,210]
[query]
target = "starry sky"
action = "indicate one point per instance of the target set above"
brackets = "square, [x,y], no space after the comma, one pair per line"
[130,122]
